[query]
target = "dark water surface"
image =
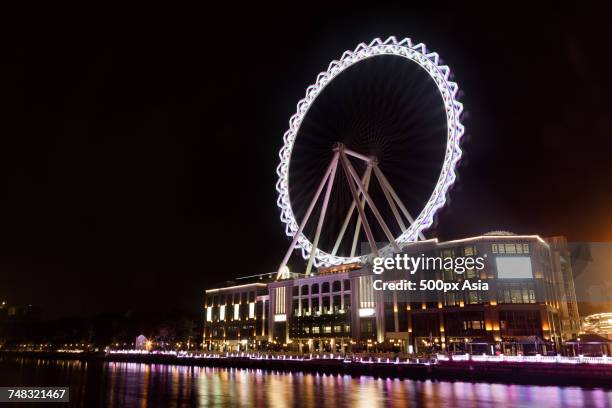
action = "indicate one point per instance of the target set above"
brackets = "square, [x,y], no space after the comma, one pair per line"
[100,384]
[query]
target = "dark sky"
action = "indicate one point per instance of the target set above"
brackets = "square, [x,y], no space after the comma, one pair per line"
[139,146]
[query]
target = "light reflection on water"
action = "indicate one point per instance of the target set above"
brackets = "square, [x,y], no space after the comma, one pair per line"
[156,385]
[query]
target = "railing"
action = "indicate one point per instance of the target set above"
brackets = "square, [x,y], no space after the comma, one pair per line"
[527,359]
[372,358]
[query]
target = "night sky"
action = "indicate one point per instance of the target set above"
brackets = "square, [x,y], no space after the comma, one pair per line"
[139,146]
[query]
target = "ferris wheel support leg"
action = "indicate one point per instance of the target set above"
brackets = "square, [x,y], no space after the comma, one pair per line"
[306,217]
[366,181]
[398,218]
[370,202]
[357,155]
[330,184]
[386,185]
[366,225]
[358,224]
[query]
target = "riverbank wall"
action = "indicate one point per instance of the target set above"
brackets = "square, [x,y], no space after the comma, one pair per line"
[583,374]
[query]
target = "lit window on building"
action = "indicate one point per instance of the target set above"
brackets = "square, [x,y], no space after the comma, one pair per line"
[209,314]
[280,300]
[447,253]
[474,297]
[236,311]
[251,310]
[222,312]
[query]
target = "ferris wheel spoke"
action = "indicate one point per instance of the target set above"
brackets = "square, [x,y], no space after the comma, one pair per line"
[387,186]
[366,181]
[357,155]
[330,184]
[379,218]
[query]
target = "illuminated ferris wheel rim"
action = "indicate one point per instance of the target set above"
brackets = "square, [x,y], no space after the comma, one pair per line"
[448,90]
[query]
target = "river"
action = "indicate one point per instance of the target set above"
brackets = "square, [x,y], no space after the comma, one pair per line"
[101,384]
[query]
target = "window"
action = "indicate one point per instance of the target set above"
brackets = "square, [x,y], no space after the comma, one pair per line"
[474,297]
[347,302]
[469,250]
[337,329]
[447,253]
[337,286]
[327,329]
[209,314]
[326,305]
[305,309]
[316,330]
[337,304]
[525,248]
[296,291]
[315,306]
[305,290]
[315,289]
[347,284]
[494,248]
[236,311]
[325,287]
[222,313]
[251,310]
[296,307]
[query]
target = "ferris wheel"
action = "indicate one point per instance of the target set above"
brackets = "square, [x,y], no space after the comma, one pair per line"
[378,137]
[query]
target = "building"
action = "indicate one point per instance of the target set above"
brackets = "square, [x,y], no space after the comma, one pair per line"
[562,266]
[599,323]
[235,316]
[527,307]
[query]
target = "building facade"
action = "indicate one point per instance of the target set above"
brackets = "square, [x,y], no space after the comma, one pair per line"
[528,305]
[235,317]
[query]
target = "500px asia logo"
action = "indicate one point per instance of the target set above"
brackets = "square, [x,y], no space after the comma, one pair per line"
[412,264]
